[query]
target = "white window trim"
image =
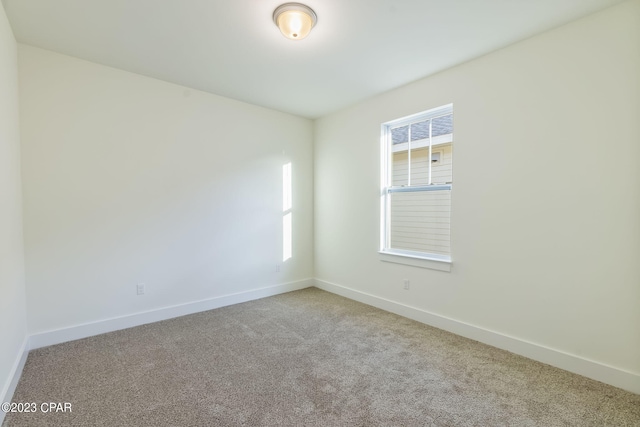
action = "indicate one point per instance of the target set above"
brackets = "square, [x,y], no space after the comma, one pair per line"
[399,256]
[417,259]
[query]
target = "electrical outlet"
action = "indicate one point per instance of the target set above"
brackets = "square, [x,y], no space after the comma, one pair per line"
[406,284]
[140,289]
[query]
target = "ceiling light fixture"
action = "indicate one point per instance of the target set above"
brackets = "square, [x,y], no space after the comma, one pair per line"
[295,20]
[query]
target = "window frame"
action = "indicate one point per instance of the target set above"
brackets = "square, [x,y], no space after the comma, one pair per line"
[403,256]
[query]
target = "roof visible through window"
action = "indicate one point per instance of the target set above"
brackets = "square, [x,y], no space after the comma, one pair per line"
[439,126]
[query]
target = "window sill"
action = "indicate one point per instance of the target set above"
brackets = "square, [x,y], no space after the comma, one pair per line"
[422,261]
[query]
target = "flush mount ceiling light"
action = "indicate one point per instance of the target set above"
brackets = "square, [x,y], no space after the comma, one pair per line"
[295,20]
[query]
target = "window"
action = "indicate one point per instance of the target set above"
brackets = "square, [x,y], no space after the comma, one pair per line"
[416,185]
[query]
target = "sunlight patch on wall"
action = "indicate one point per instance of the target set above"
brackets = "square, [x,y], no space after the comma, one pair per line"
[287,203]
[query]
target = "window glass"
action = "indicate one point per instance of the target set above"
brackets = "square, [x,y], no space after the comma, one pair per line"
[417,182]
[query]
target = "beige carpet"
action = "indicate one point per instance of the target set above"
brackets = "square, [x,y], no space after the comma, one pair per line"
[306,358]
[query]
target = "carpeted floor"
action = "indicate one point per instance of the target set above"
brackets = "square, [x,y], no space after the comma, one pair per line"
[306,358]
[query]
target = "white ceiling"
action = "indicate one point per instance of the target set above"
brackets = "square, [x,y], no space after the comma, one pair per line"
[359,48]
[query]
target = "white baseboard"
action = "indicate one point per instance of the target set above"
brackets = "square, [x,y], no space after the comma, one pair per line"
[58,336]
[569,362]
[16,371]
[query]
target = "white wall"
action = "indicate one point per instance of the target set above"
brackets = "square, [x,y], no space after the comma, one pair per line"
[128,179]
[13,318]
[553,263]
